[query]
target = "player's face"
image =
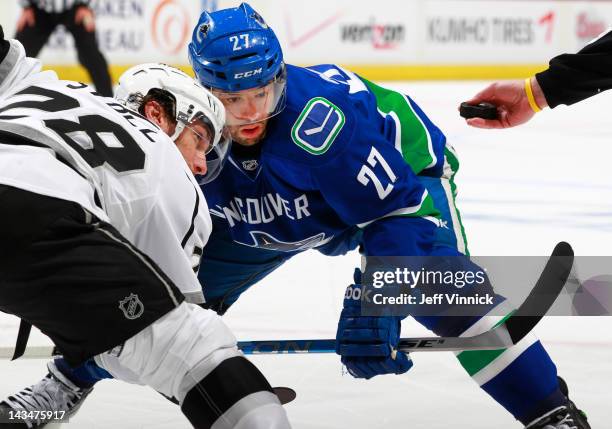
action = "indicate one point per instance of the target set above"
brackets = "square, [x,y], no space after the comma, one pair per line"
[193,143]
[248,135]
[247,113]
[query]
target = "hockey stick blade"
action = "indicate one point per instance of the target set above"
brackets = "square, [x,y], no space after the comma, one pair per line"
[544,293]
[540,299]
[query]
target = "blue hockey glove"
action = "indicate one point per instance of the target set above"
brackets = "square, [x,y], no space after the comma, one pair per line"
[368,345]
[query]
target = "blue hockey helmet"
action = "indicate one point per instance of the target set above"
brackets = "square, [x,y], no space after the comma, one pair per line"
[233,50]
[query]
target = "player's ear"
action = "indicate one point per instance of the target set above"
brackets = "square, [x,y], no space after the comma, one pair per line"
[155,113]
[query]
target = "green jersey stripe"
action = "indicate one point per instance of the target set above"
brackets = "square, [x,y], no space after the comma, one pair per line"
[415,139]
[474,361]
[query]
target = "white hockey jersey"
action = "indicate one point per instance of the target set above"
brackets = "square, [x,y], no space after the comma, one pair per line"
[60,139]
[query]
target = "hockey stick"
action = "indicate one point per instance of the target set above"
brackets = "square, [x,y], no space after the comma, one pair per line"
[511,331]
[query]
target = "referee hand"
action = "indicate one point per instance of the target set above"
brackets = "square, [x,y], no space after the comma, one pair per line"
[84,15]
[512,103]
[27,19]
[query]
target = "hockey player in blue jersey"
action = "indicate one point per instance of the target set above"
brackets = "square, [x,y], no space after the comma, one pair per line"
[324,159]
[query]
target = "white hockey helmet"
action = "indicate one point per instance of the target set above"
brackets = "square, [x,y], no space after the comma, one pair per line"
[192,102]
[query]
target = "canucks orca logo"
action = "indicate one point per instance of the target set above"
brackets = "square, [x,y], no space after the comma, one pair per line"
[264,240]
[317,126]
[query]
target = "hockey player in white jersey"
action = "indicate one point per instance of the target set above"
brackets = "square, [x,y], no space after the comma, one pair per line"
[101,230]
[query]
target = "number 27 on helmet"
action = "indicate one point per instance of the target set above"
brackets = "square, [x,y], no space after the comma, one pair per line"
[237,55]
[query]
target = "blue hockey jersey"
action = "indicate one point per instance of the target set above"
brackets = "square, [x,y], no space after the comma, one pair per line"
[343,154]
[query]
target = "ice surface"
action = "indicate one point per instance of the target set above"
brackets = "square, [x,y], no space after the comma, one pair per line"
[520,191]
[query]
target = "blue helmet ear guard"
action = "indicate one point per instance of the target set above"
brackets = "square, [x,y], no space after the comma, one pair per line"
[234,49]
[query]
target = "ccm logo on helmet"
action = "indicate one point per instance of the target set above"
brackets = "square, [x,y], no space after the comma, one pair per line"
[248,74]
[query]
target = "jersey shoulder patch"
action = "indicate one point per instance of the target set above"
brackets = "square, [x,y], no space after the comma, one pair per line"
[317,126]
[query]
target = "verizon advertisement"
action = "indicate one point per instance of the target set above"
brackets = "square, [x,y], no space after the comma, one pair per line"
[345,31]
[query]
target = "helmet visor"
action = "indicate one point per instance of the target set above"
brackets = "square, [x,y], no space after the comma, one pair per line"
[253,105]
[216,155]
[203,129]
[214,148]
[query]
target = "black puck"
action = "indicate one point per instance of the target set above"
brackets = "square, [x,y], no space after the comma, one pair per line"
[285,394]
[480,110]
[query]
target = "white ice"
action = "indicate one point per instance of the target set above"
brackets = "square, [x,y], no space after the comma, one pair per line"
[521,191]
